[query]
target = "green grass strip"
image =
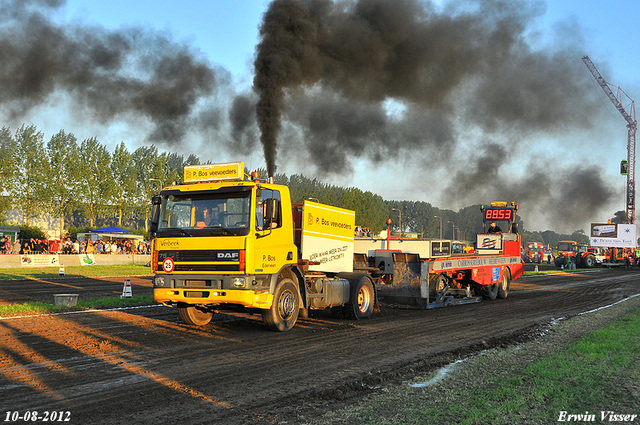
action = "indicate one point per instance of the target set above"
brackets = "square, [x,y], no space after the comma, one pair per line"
[100,303]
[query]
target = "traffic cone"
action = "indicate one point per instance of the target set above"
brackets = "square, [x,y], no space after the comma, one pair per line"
[61,270]
[126,289]
[536,269]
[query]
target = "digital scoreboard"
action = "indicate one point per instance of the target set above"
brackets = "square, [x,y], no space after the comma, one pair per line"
[498,214]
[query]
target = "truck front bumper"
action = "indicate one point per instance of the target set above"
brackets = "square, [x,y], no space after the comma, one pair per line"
[243,297]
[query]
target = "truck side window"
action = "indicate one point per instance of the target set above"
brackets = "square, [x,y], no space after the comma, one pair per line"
[268,209]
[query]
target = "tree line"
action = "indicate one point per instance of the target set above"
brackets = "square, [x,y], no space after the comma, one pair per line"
[62,175]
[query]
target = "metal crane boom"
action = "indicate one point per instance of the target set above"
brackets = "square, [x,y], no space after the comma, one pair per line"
[632,125]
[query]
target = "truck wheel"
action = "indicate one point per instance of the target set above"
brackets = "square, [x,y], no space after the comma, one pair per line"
[191,315]
[505,284]
[491,292]
[283,313]
[361,301]
[589,261]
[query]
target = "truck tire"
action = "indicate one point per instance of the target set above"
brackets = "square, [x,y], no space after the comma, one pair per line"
[191,315]
[361,301]
[490,292]
[589,261]
[283,313]
[505,284]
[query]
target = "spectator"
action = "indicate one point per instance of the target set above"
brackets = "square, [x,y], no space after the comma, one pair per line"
[16,246]
[66,248]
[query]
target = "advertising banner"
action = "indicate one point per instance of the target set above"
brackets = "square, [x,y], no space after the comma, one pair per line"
[39,260]
[490,241]
[87,259]
[328,237]
[613,235]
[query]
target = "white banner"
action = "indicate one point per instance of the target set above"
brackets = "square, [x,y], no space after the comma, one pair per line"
[39,260]
[87,259]
[624,235]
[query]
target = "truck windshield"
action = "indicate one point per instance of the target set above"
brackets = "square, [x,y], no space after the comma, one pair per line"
[565,246]
[215,214]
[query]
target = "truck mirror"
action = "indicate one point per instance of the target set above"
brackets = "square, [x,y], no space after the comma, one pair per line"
[156,202]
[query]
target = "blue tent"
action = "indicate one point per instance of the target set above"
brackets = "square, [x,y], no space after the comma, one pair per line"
[110,229]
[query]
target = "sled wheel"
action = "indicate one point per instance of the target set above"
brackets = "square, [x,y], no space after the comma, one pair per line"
[491,291]
[505,284]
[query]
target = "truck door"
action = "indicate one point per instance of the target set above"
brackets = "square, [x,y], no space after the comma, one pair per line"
[273,245]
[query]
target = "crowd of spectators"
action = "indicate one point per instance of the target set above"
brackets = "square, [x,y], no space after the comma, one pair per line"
[67,246]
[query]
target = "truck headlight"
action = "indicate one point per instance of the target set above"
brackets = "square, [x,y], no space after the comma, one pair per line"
[158,281]
[237,282]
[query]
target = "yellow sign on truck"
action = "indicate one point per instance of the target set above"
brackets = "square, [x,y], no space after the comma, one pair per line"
[327,237]
[222,241]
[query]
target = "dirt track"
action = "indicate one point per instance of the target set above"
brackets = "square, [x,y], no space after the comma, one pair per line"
[144,366]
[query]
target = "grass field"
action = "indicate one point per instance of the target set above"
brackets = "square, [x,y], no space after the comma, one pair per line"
[588,365]
[112,302]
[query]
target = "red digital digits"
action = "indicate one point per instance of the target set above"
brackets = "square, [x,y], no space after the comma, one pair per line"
[498,215]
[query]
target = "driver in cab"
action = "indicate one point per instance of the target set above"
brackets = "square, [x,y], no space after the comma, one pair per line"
[494,228]
[206,219]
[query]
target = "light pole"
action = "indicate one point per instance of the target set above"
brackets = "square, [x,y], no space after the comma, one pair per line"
[440,224]
[453,229]
[157,180]
[399,219]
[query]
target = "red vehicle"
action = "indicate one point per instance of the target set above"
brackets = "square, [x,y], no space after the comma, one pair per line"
[428,274]
[533,252]
[572,252]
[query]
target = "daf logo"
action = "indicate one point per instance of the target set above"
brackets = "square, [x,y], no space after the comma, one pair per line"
[227,255]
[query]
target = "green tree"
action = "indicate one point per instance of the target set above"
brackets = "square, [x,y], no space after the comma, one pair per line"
[150,177]
[64,163]
[369,208]
[97,185]
[469,222]
[28,188]
[124,176]
[7,169]
[418,217]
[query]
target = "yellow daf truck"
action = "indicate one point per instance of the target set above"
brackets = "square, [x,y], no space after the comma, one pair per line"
[224,240]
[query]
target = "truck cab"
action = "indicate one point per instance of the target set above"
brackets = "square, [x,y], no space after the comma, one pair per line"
[221,242]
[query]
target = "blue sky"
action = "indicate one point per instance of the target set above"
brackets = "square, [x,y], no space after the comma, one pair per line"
[225,34]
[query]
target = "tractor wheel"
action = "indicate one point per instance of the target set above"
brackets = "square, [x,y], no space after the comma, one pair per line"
[283,313]
[192,315]
[589,261]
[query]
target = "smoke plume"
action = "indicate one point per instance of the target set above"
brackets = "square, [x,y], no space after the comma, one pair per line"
[461,92]
[125,74]
[473,93]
